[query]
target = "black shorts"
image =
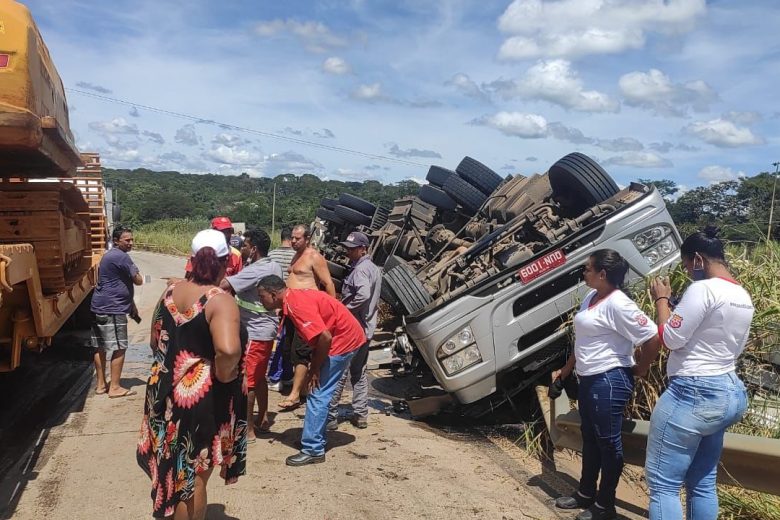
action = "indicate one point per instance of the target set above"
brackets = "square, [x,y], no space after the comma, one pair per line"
[300,351]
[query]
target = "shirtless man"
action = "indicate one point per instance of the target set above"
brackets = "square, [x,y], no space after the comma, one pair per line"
[308,270]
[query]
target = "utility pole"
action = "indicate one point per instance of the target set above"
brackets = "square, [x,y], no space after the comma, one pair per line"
[772,205]
[273,212]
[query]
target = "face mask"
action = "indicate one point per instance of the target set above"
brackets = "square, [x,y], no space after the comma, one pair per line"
[698,272]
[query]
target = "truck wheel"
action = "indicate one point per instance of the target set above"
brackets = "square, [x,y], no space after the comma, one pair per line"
[356,203]
[353,216]
[336,270]
[464,193]
[582,179]
[409,291]
[433,195]
[437,175]
[478,175]
[329,216]
[380,218]
[329,203]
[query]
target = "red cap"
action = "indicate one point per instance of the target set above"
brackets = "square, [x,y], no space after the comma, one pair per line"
[221,223]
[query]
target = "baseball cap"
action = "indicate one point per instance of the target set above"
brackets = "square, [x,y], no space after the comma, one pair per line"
[356,239]
[221,223]
[210,238]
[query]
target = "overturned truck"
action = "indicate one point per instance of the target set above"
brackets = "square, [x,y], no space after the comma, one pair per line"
[481,273]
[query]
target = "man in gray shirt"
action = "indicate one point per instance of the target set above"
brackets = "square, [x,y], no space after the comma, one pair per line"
[360,294]
[261,325]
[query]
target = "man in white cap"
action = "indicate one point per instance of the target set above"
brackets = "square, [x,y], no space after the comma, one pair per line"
[360,294]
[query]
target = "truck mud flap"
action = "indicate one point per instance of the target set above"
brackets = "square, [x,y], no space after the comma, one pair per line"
[408,290]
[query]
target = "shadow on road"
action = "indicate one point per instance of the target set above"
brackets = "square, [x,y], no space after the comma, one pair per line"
[292,437]
[217,512]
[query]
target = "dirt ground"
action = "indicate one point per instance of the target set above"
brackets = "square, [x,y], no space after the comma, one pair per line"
[397,468]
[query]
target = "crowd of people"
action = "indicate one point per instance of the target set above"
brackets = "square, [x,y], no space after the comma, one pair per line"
[246,318]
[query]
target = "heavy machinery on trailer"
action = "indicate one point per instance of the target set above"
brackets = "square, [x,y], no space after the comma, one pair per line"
[52,208]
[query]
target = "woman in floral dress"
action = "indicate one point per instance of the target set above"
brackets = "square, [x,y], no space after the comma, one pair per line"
[195,410]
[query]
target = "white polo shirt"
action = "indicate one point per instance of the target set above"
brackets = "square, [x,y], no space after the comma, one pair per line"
[605,333]
[708,330]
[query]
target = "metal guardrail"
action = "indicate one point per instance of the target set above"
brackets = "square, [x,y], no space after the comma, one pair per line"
[748,462]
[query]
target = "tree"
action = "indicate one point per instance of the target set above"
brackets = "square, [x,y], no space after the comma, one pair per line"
[667,188]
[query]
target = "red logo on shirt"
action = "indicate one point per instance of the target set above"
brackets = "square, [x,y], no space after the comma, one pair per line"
[675,321]
[641,319]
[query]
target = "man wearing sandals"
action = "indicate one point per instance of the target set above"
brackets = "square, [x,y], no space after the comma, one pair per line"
[261,325]
[112,302]
[308,270]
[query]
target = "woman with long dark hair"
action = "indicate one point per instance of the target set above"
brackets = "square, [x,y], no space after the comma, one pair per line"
[607,327]
[195,411]
[705,334]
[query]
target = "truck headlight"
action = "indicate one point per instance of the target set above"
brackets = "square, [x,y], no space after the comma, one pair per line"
[659,252]
[650,237]
[655,243]
[459,352]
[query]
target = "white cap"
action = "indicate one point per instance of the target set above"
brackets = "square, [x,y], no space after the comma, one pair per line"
[210,238]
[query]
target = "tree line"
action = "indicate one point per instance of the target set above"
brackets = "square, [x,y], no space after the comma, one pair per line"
[739,207]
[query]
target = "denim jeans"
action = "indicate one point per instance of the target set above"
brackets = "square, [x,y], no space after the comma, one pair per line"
[685,443]
[602,399]
[318,402]
[359,381]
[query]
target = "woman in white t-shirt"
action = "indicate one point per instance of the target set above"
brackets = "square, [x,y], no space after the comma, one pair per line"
[607,327]
[705,334]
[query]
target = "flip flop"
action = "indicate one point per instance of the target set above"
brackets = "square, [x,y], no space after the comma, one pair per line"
[101,392]
[263,428]
[288,406]
[127,393]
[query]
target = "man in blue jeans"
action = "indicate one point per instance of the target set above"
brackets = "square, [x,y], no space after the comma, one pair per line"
[334,334]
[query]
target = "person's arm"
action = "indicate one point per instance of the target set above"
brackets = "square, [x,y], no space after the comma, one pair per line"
[318,355]
[137,278]
[225,286]
[645,355]
[675,329]
[222,313]
[567,369]
[320,268]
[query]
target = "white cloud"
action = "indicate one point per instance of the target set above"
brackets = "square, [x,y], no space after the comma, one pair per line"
[229,140]
[571,28]
[743,118]
[336,66]
[134,112]
[516,124]
[326,133]
[370,93]
[289,162]
[620,144]
[413,152]
[723,134]
[314,36]
[355,175]
[374,93]
[92,86]
[187,135]
[417,180]
[639,160]
[467,86]
[223,154]
[713,174]
[117,125]
[654,90]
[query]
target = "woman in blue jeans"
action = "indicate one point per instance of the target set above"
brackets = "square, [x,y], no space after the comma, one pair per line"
[606,328]
[705,334]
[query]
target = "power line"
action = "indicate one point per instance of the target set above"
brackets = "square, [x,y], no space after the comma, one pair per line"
[244,129]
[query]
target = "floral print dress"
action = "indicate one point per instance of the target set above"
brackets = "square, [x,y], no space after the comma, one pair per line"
[191,422]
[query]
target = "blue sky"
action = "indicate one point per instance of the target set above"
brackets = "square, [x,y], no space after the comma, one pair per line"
[354,90]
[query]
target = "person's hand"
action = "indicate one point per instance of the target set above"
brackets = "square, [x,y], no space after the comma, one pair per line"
[314,380]
[660,287]
[556,374]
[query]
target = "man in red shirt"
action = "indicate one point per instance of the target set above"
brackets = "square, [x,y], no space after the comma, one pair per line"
[334,335]
[224,226]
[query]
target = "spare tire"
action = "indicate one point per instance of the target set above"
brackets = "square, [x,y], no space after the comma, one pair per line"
[478,175]
[409,291]
[433,195]
[464,193]
[437,175]
[363,206]
[582,178]
[328,203]
[352,215]
[329,215]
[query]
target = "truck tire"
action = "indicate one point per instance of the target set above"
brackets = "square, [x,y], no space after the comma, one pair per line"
[478,175]
[433,195]
[336,270]
[437,175]
[328,203]
[408,290]
[352,216]
[380,218]
[329,216]
[464,193]
[581,176]
[356,203]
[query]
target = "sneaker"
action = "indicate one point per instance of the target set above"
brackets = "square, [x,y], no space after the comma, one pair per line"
[332,425]
[596,512]
[576,501]
[275,387]
[359,422]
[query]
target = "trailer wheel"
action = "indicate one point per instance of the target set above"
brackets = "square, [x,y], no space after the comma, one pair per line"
[433,195]
[353,216]
[581,179]
[329,216]
[437,175]
[464,193]
[478,175]
[409,291]
[356,203]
